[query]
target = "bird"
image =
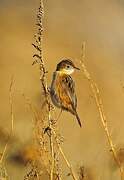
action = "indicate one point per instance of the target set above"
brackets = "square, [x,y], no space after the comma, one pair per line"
[62,89]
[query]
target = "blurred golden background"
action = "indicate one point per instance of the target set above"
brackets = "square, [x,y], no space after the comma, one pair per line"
[100,23]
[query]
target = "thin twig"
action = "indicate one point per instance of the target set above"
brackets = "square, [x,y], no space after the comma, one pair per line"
[99,104]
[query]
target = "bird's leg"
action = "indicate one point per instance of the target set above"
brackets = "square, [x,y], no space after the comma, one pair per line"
[59,115]
[54,121]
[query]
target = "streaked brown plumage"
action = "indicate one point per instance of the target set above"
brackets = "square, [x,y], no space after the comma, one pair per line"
[63,88]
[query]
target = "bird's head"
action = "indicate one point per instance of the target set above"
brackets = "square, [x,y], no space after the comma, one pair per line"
[66,66]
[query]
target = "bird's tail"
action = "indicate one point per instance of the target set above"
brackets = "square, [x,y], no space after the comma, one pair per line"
[79,121]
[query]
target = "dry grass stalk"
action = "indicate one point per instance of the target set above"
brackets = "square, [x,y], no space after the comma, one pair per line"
[11,105]
[72,173]
[12,118]
[3,174]
[99,103]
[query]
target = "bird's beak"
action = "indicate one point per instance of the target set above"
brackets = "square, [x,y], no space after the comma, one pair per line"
[76,68]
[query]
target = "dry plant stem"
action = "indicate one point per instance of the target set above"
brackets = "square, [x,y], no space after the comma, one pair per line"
[52,149]
[11,105]
[64,157]
[12,118]
[99,104]
[39,60]
[67,162]
[3,153]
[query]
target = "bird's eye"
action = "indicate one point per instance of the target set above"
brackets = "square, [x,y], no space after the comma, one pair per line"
[68,66]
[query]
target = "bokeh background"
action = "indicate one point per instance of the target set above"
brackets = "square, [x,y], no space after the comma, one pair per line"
[100,23]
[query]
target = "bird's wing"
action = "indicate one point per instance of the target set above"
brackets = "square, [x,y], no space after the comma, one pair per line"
[66,92]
